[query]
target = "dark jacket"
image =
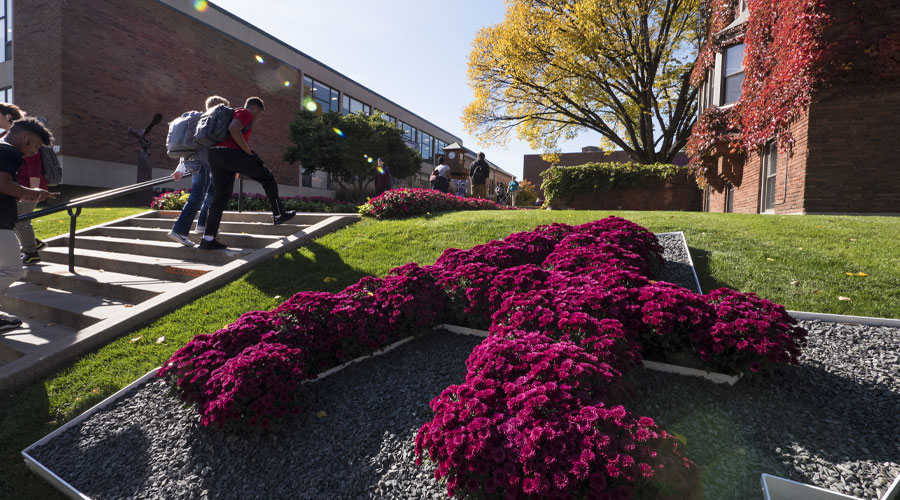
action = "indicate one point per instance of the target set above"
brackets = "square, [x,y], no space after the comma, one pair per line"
[479,171]
[383,180]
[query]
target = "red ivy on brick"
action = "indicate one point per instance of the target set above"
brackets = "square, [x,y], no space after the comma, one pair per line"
[793,48]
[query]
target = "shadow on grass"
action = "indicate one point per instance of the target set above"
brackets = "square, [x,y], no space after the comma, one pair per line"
[294,272]
[702,268]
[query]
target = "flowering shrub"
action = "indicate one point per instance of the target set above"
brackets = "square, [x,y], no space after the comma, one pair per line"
[175,200]
[403,202]
[570,310]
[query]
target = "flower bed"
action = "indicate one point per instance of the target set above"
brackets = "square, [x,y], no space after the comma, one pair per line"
[541,413]
[403,202]
[175,200]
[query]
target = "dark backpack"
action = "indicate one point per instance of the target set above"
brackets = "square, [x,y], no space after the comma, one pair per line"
[50,166]
[180,141]
[212,127]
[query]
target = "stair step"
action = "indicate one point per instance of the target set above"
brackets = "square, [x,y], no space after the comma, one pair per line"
[32,335]
[152,234]
[162,268]
[69,309]
[260,217]
[266,228]
[167,249]
[123,287]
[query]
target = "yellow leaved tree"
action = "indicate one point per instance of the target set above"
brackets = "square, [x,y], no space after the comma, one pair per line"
[556,68]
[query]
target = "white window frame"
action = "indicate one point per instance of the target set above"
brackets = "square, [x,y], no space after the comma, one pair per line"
[768,174]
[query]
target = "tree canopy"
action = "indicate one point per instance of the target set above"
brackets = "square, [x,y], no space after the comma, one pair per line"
[555,68]
[348,147]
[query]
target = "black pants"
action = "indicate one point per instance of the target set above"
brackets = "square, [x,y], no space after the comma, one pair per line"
[223,164]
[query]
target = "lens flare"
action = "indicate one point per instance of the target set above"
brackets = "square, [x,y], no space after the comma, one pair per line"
[259,59]
[338,132]
[370,159]
[287,84]
[201,5]
[380,170]
[309,104]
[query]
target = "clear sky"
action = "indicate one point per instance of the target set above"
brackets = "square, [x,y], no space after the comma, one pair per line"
[413,52]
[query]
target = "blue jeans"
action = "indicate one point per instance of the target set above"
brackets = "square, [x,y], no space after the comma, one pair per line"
[200,200]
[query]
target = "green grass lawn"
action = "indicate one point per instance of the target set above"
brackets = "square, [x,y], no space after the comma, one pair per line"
[799,261]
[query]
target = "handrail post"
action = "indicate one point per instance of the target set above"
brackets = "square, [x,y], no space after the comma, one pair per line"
[240,191]
[73,217]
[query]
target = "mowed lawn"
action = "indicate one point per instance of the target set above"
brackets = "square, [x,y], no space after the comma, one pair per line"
[799,261]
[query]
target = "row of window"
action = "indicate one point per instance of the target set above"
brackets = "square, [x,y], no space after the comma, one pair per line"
[6,26]
[329,100]
[769,167]
[6,95]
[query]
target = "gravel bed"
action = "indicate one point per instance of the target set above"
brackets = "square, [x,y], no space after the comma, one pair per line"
[676,268]
[832,421]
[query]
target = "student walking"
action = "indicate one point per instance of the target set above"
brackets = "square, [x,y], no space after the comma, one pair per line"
[22,139]
[234,156]
[479,172]
[382,178]
[30,175]
[500,191]
[201,196]
[513,191]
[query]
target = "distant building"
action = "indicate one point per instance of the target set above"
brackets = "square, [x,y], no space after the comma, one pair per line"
[91,69]
[459,159]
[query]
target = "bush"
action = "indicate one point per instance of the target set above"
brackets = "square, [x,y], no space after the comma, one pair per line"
[528,193]
[564,183]
[175,200]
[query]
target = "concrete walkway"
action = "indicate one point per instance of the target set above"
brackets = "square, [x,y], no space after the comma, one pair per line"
[128,272]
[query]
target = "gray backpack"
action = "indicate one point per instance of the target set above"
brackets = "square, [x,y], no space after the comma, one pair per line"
[50,166]
[180,141]
[212,127]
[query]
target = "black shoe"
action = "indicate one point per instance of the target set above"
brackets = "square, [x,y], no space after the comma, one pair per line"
[39,245]
[211,245]
[284,217]
[7,323]
[31,258]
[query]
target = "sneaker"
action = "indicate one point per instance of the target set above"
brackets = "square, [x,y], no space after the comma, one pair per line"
[180,238]
[211,245]
[200,229]
[31,258]
[7,323]
[39,245]
[284,217]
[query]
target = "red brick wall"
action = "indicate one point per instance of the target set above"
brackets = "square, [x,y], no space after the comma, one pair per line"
[679,193]
[854,140]
[37,36]
[124,61]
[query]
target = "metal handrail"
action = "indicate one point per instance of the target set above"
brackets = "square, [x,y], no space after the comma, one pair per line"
[74,207]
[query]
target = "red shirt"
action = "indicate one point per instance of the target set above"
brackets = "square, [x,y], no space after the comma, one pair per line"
[244,116]
[32,168]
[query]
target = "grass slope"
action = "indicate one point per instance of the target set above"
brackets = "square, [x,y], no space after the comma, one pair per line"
[763,254]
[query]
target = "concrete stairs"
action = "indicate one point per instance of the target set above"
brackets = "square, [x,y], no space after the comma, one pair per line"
[128,272]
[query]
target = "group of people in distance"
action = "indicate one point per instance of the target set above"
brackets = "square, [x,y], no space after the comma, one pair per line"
[213,171]
[479,172]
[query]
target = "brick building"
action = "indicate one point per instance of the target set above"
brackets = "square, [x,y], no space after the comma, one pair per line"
[843,158]
[91,69]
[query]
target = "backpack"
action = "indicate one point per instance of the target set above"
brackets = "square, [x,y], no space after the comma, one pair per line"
[180,141]
[50,166]
[212,127]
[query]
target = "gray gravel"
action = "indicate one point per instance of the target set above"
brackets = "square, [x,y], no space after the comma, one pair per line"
[832,421]
[676,268]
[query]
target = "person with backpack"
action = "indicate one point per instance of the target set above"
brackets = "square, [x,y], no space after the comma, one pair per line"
[479,171]
[30,175]
[233,156]
[441,176]
[201,196]
[500,191]
[23,139]
[513,191]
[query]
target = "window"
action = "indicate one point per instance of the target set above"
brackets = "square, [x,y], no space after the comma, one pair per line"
[733,74]
[389,118]
[706,91]
[409,132]
[769,169]
[6,26]
[425,146]
[729,197]
[439,146]
[351,105]
[305,178]
[326,97]
[6,95]
[706,199]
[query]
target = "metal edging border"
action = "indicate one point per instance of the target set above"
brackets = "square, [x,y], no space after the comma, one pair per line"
[48,475]
[687,251]
[841,318]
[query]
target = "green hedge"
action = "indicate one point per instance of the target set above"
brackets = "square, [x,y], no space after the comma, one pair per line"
[564,183]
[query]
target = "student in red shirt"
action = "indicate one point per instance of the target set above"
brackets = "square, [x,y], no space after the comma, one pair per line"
[30,175]
[234,156]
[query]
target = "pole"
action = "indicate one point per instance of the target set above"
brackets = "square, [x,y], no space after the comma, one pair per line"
[240,191]
[73,217]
